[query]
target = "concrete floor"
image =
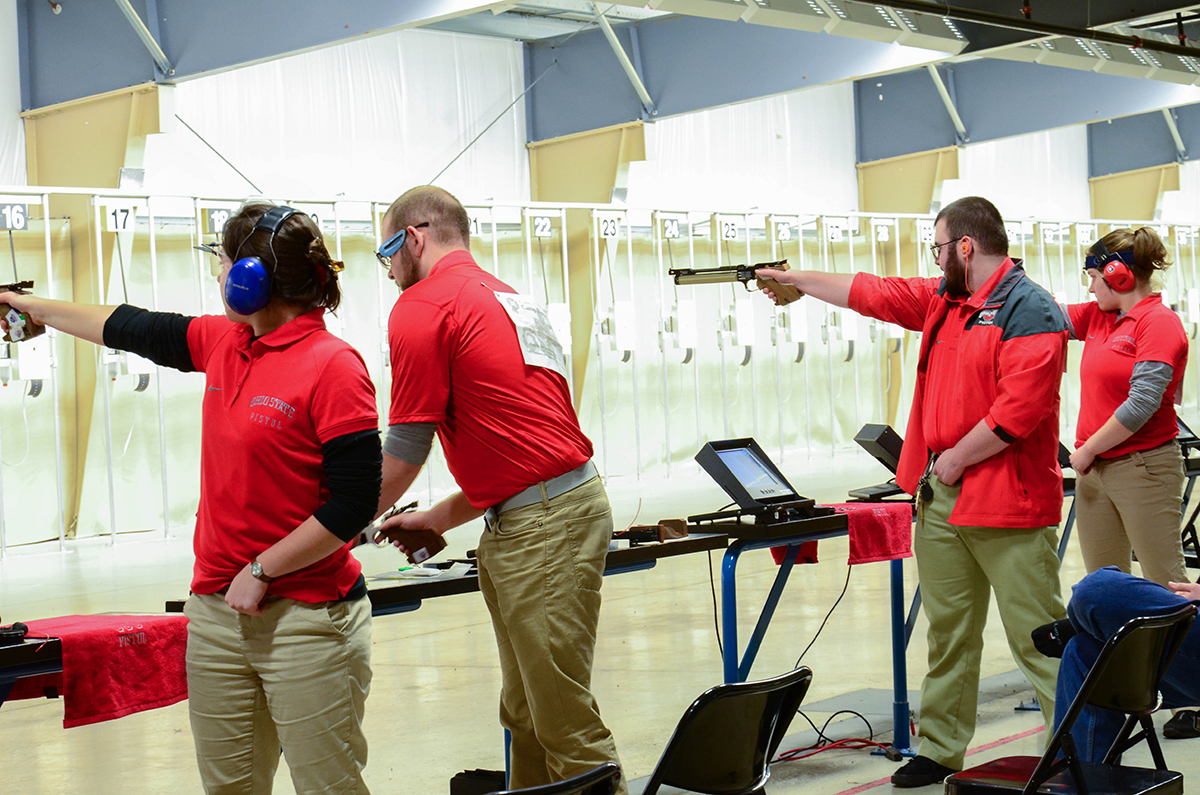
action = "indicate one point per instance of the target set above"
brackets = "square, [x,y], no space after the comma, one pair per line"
[433,704]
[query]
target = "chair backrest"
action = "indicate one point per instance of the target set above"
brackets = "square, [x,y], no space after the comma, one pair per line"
[600,781]
[1126,674]
[725,740]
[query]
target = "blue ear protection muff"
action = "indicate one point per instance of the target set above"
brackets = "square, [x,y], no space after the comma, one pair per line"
[248,283]
[1114,267]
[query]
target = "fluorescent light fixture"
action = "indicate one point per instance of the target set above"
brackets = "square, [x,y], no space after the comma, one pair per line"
[861,21]
[929,31]
[728,10]
[792,14]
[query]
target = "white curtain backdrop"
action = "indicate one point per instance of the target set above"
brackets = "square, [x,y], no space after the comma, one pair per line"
[365,120]
[1040,175]
[12,128]
[793,153]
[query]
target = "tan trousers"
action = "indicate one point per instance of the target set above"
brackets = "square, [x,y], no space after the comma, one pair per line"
[540,569]
[1134,502]
[294,678]
[958,568]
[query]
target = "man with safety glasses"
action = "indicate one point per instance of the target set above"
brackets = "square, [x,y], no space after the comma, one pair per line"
[980,455]
[479,365]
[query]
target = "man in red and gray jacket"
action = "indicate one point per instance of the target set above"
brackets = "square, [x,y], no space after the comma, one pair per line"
[980,455]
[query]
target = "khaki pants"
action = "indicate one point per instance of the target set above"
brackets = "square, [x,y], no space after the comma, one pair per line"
[1134,502]
[540,569]
[958,568]
[295,677]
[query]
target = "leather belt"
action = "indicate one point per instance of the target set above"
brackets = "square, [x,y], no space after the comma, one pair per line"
[552,488]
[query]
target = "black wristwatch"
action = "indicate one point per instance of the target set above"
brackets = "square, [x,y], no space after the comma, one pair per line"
[256,571]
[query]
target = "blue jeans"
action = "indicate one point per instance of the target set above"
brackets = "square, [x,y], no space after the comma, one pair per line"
[1100,604]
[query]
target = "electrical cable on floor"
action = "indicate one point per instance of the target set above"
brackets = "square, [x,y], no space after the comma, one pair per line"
[826,619]
[826,743]
[712,582]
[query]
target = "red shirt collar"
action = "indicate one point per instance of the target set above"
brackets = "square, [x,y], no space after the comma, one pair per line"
[1147,304]
[978,298]
[457,257]
[292,331]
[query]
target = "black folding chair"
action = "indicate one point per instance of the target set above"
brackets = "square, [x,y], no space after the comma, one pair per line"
[724,742]
[1125,679]
[600,781]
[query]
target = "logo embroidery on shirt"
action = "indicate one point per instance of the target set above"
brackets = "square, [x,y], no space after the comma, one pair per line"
[1123,343]
[284,410]
[987,317]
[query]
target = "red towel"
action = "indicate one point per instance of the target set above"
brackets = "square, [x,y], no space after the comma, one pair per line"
[117,665]
[878,531]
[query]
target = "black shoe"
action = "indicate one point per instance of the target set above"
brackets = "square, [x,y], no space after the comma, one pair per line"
[1183,725]
[1051,639]
[921,771]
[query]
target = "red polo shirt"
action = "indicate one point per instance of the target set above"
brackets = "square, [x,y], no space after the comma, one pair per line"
[504,425]
[269,405]
[1148,332]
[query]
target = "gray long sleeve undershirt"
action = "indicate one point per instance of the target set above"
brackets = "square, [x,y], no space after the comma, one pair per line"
[1146,388]
[410,442]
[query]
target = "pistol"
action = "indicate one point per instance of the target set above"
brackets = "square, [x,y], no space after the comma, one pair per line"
[784,293]
[20,327]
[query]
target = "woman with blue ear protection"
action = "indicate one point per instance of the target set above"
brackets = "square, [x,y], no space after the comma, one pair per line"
[1129,467]
[279,626]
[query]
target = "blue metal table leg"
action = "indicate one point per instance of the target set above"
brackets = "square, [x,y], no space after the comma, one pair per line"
[913,610]
[1062,544]
[729,651]
[768,612]
[900,707]
[507,758]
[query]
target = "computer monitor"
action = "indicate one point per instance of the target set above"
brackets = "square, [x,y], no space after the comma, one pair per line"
[746,473]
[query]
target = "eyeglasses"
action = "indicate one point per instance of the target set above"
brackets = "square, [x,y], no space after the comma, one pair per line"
[393,244]
[215,267]
[936,248]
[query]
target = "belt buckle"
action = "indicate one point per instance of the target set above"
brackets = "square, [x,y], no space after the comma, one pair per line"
[491,518]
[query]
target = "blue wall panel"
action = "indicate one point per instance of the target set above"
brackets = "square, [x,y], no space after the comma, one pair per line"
[1129,143]
[688,64]
[91,48]
[900,114]
[999,99]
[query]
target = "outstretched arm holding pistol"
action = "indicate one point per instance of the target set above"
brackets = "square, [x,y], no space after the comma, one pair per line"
[832,288]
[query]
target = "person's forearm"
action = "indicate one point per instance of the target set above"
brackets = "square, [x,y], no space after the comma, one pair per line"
[1111,434]
[832,288]
[398,476]
[304,546]
[85,321]
[980,444]
[451,512]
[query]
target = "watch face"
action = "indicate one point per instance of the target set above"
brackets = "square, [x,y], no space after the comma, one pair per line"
[256,570]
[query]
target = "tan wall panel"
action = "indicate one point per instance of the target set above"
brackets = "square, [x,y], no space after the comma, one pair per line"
[906,184]
[1133,195]
[584,167]
[85,143]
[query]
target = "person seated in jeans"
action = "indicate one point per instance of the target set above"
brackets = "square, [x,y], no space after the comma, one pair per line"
[1101,603]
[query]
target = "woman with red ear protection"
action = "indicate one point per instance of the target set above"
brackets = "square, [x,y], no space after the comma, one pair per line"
[1129,467]
[279,623]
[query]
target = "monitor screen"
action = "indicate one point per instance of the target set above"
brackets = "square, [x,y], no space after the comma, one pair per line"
[753,474]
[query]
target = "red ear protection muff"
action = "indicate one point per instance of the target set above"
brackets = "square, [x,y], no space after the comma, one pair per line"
[1114,267]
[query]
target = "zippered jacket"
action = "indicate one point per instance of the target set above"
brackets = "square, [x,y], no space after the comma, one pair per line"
[1008,343]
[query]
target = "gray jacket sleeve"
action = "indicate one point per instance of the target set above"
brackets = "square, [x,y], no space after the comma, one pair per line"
[1146,388]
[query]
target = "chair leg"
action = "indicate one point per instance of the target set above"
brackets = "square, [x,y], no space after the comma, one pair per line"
[1152,741]
[1122,742]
